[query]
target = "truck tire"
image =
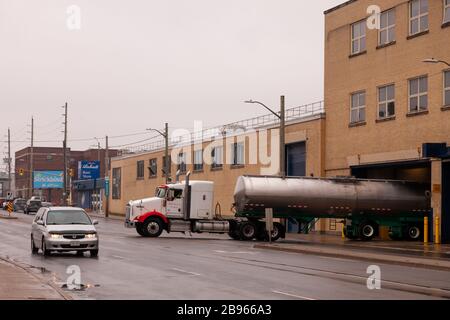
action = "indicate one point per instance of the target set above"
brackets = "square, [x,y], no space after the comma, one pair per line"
[234,230]
[413,232]
[139,229]
[277,232]
[152,227]
[367,230]
[247,231]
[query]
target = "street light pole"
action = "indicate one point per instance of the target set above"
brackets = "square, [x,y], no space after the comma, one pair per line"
[282,117]
[433,60]
[165,134]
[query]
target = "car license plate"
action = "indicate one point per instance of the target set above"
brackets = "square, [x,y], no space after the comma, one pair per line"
[75,243]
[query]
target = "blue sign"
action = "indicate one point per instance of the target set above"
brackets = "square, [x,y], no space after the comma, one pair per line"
[48,180]
[107,187]
[88,170]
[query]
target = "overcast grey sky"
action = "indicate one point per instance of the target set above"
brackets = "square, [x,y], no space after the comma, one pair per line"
[136,64]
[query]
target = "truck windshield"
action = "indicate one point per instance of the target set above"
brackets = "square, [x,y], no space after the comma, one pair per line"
[161,193]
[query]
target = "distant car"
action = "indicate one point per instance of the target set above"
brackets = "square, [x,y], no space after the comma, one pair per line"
[47,204]
[19,205]
[32,206]
[64,229]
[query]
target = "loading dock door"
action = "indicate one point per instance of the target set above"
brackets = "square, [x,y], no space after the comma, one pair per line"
[445,202]
[296,159]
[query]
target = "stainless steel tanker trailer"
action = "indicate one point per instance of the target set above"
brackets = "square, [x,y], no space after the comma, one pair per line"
[365,205]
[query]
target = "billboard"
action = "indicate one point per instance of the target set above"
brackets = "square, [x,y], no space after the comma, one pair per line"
[48,180]
[88,170]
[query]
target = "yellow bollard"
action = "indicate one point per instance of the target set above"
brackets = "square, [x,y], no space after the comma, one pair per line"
[437,236]
[425,230]
[343,233]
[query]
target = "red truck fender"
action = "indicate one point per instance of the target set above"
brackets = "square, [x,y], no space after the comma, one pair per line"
[153,213]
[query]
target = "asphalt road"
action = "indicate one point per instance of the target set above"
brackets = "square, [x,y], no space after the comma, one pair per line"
[207,267]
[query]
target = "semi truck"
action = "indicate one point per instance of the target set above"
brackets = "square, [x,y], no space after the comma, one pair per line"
[363,205]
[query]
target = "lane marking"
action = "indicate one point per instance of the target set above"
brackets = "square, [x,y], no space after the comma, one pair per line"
[292,295]
[235,252]
[187,272]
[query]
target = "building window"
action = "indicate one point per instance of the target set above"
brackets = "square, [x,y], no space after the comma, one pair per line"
[198,160]
[447,88]
[217,157]
[169,169]
[238,154]
[116,181]
[140,169]
[446,11]
[181,162]
[359,37]
[153,168]
[358,107]
[387,27]
[418,16]
[418,94]
[386,101]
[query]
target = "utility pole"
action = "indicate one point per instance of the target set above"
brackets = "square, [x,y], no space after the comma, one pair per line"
[9,160]
[282,138]
[166,152]
[65,156]
[106,177]
[31,158]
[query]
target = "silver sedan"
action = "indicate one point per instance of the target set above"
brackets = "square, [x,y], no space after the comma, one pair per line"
[64,229]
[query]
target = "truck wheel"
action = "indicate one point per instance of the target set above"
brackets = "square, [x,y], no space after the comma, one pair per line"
[277,231]
[152,227]
[367,230]
[139,229]
[413,232]
[247,231]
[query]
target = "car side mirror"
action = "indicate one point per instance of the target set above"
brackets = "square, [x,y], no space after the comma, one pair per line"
[40,222]
[95,222]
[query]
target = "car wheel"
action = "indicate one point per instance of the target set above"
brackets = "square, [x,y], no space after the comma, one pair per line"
[94,253]
[44,249]
[34,249]
[152,227]
[80,253]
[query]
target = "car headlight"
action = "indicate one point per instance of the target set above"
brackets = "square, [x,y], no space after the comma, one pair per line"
[91,236]
[55,236]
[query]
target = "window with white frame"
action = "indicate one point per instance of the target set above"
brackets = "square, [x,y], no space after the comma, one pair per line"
[446,11]
[217,157]
[418,16]
[447,88]
[418,94]
[358,107]
[238,154]
[387,27]
[386,101]
[198,160]
[358,37]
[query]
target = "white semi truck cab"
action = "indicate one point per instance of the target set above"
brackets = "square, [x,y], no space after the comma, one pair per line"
[178,207]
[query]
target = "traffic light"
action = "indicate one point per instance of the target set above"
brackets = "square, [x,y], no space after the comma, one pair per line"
[21,172]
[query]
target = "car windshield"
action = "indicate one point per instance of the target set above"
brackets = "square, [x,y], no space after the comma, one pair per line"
[68,217]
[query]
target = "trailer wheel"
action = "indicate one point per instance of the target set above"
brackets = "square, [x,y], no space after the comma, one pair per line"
[277,231]
[247,231]
[367,230]
[152,227]
[413,232]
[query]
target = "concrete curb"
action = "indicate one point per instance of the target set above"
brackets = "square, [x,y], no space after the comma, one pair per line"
[366,256]
[26,267]
[8,217]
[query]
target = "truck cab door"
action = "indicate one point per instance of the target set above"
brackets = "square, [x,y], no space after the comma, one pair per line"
[174,204]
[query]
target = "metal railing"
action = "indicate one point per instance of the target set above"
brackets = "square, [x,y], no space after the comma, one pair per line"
[292,114]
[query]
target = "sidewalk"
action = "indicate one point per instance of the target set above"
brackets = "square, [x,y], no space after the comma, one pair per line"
[396,252]
[18,283]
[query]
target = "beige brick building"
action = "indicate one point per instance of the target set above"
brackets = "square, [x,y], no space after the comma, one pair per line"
[382,101]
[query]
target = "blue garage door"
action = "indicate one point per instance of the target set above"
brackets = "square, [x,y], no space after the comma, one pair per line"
[296,159]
